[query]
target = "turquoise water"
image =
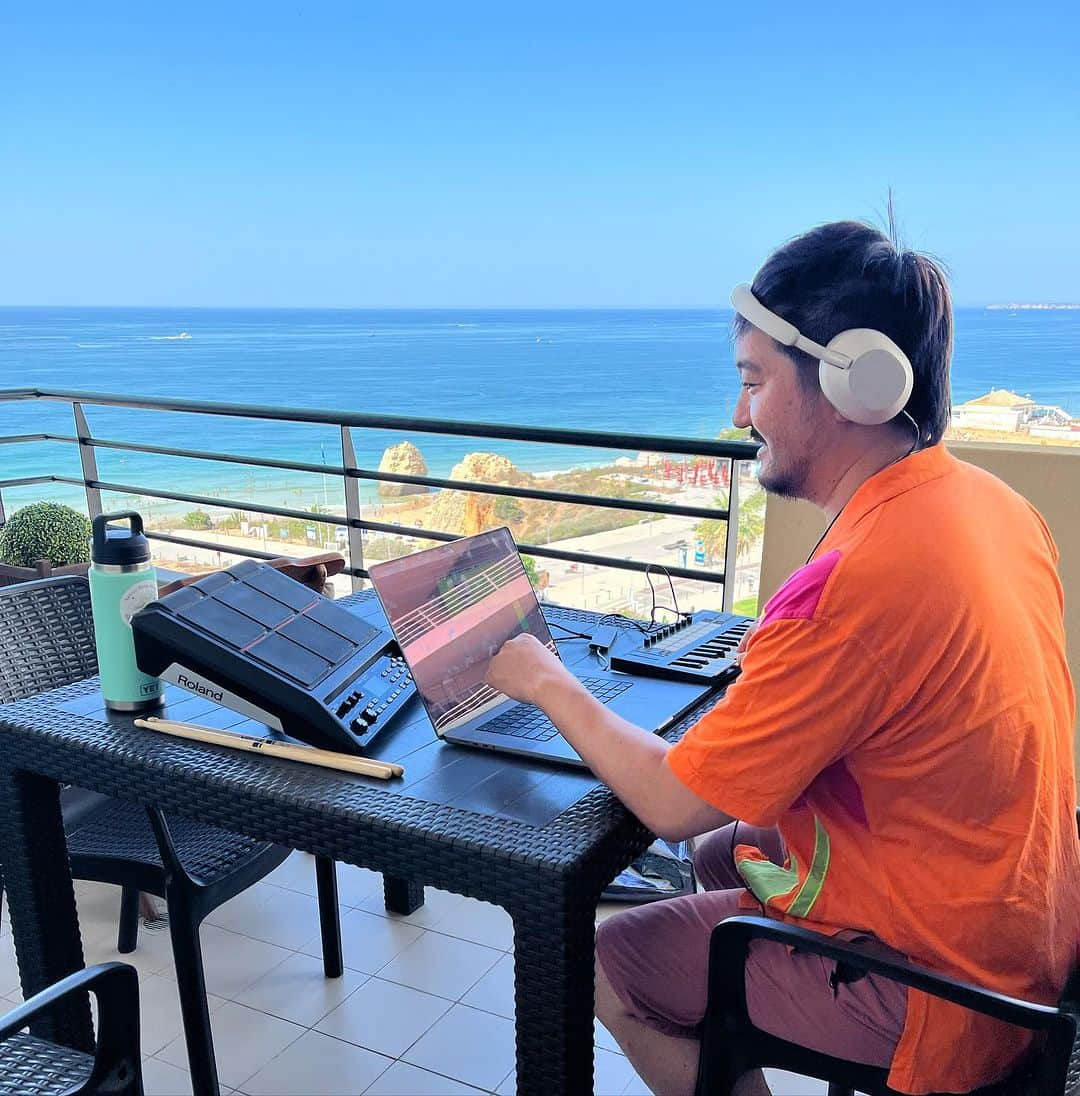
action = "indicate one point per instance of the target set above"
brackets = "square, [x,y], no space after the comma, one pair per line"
[666,372]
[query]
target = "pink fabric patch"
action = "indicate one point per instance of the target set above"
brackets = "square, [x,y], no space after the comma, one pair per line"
[798,598]
[843,787]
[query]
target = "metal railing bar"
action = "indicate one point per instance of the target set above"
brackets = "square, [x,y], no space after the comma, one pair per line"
[207,454]
[27,481]
[393,530]
[14,439]
[550,435]
[620,564]
[608,501]
[188,542]
[204,500]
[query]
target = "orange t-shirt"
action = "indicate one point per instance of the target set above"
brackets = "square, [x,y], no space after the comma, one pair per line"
[905,715]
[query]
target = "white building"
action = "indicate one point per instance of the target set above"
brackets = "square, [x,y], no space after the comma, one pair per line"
[999,409]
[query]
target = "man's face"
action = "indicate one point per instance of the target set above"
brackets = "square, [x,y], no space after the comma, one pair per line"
[790,422]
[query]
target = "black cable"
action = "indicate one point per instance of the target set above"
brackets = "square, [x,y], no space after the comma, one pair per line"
[571,634]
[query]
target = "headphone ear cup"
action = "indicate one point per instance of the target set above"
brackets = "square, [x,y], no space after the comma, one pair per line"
[876,386]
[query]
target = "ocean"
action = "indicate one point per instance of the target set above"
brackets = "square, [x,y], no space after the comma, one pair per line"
[663,372]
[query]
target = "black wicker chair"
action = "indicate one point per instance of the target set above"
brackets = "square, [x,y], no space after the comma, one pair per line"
[30,1066]
[731,1045]
[47,640]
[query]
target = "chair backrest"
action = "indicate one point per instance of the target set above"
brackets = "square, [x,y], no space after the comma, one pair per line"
[46,636]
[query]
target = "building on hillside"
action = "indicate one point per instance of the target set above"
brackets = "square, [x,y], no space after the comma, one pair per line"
[1006,412]
[999,409]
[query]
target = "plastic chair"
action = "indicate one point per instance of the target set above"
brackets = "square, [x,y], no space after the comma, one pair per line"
[31,1065]
[46,641]
[731,1045]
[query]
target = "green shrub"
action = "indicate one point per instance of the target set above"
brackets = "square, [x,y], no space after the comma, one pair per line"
[45,530]
[198,519]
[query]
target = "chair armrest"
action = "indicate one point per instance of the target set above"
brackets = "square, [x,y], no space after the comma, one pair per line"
[116,986]
[732,937]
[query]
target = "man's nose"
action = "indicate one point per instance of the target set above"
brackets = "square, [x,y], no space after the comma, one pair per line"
[741,415]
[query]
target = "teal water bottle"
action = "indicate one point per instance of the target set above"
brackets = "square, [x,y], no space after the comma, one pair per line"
[122,581]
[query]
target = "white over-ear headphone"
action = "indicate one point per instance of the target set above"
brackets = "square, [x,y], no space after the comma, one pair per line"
[862,372]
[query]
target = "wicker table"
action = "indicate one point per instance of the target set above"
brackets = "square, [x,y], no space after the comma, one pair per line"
[548,877]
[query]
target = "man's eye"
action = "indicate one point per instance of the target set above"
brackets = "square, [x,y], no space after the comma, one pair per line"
[749,384]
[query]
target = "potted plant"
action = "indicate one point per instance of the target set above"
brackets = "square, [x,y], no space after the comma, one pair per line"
[44,538]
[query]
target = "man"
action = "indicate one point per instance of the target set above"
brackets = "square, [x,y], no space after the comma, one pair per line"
[898,748]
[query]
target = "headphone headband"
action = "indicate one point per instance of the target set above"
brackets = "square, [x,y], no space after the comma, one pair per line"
[746,304]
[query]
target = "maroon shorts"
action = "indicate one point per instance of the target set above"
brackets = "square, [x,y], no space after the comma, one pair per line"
[656,958]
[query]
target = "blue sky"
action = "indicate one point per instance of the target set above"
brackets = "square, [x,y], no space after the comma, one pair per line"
[588,154]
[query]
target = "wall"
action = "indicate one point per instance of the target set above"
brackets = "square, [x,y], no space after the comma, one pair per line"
[1049,477]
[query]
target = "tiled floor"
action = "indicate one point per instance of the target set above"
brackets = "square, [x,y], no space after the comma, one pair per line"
[425,1004]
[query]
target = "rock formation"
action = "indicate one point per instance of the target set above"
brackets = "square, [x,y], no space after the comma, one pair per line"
[403,459]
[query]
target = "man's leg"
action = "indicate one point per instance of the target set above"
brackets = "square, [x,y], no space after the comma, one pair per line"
[666,1063]
[652,983]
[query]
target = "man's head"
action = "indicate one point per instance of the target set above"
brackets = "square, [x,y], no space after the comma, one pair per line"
[833,278]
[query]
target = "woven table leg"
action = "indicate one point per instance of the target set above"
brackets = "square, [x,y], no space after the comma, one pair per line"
[401,895]
[41,897]
[553,994]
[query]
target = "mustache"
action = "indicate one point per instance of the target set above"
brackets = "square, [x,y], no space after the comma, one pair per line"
[755,436]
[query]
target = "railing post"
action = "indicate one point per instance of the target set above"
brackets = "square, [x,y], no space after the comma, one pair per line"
[88,460]
[352,507]
[731,540]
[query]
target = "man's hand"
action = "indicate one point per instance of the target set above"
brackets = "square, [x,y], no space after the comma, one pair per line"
[525,669]
[741,649]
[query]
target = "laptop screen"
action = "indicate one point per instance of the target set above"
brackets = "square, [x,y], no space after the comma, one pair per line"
[451,608]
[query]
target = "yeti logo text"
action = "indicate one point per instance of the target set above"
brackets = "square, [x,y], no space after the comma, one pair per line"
[199,687]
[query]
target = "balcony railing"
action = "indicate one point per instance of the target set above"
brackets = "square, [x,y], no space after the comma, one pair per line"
[352,474]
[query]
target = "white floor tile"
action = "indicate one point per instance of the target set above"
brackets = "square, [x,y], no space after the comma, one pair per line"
[298,874]
[152,955]
[233,962]
[783,1083]
[468,1045]
[384,1017]
[162,1079]
[273,914]
[368,941]
[612,1074]
[495,991]
[405,1080]
[637,1087]
[480,922]
[317,1065]
[159,1011]
[437,904]
[604,1039]
[9,968]
[442,965]
[244,1042]
[299,991]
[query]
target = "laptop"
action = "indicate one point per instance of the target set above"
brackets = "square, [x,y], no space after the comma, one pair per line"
[452,607]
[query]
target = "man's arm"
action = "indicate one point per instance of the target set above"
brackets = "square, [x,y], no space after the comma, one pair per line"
[628,759]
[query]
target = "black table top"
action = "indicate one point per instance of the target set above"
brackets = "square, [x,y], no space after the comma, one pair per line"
[514,810]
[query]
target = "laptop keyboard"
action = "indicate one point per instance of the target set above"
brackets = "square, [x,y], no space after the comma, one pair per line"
[525,721]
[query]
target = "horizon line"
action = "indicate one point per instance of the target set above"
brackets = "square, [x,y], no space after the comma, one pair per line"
[485,307]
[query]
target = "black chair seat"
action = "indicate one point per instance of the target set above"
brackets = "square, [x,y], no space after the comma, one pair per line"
[29,1066]
[121,831]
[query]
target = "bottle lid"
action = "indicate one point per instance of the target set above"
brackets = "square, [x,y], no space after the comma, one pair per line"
[121,545]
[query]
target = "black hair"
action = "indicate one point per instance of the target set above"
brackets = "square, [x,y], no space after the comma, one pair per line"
[848,274]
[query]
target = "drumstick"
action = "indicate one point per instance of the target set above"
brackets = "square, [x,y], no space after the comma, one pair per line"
[310,755]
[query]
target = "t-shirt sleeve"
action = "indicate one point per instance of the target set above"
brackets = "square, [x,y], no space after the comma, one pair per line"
[807,696]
